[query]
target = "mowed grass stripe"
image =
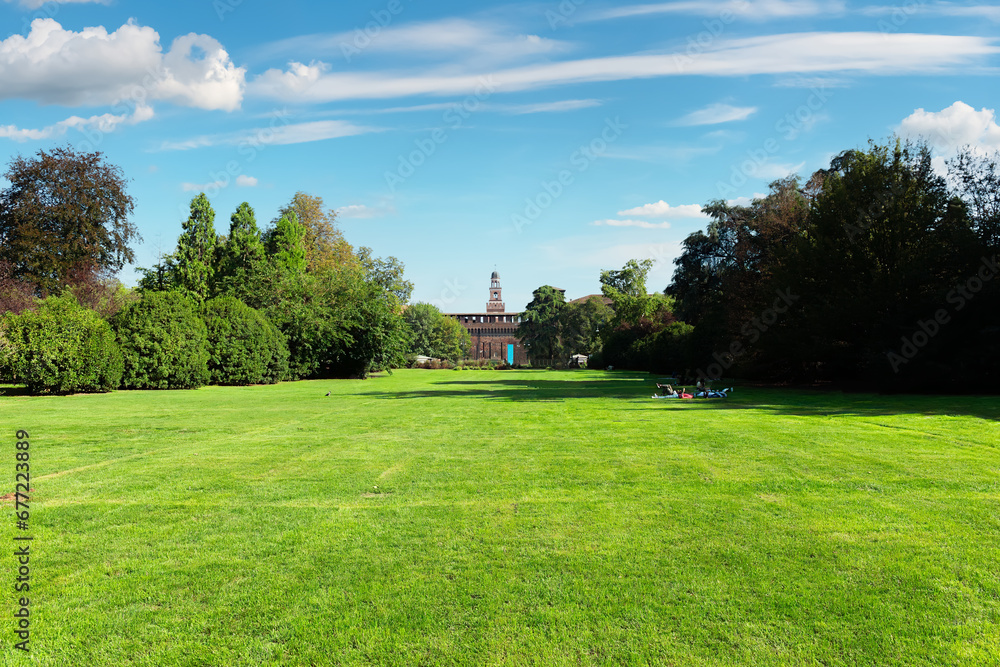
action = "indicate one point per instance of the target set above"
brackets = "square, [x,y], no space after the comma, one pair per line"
[519,518]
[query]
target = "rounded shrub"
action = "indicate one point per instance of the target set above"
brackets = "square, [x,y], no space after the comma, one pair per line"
[61,347]
[164,342]
[244,347]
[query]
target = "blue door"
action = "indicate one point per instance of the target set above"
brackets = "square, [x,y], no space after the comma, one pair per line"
[510,354]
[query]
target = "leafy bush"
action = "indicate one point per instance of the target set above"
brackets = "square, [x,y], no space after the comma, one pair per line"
[243,346]
[164,342]
[61,347]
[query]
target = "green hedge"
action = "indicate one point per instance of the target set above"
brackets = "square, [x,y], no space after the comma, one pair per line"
[164,342]
[243,346]
[61,347]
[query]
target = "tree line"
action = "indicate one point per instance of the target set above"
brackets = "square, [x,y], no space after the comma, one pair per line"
[250,305]
[877,271]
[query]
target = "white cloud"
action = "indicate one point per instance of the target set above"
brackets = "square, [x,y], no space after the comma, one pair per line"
[277,135]
[475,41]
[954,127]
[93,128]
[207,82]
[245,181]
[94,67]
[715,114]
[746,201]
[361,211]
[662,209]
[549,107]
[797,53]
[988,12]
[751,9]
[38,4]
[631,223]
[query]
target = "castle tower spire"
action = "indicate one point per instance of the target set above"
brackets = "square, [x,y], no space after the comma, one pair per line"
[495,304]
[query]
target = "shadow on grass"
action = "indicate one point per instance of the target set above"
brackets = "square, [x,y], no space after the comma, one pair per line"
[638,388]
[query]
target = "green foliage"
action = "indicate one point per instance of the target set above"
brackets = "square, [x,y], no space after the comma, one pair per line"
[376,328]
[286,244]
[64,209]
[164,341]
[241,256]
[541,326]
[323,241]
[243,346]
[387,273]
[194,261]
[627,290]
[433,334]
[61,347]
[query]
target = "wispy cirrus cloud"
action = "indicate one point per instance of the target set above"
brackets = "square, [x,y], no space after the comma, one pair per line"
[870,53]
[364,212]
[476,41]
[752,9]
[105,123]
[715,114]
[974,11]
[38,4]
[643,224]
[295,133]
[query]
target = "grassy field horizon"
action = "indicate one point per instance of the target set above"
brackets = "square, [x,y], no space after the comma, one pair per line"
[507,517]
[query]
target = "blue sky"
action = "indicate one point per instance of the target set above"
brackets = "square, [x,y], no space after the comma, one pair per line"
[546,140]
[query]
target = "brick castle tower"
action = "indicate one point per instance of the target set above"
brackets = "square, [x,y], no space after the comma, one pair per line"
[495,304]
[494,333]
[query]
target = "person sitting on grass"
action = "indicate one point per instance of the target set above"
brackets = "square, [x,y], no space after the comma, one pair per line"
[672,393]
[669,393]
[713,393]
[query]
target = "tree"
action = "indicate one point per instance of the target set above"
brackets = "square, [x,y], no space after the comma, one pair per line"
[286,244]
[388,273]
[242,254]
[62,209]
[627,290]
[193,264]
[434,334]
[884,244]
[243,346]
[541,326]
[322,240]
[15,294]
[62,347]
[977,179]
[164,341]
[582,323]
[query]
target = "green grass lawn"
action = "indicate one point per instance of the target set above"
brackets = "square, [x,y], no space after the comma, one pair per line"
[511,517]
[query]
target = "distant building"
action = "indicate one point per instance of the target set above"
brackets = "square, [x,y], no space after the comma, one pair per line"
[494,332]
